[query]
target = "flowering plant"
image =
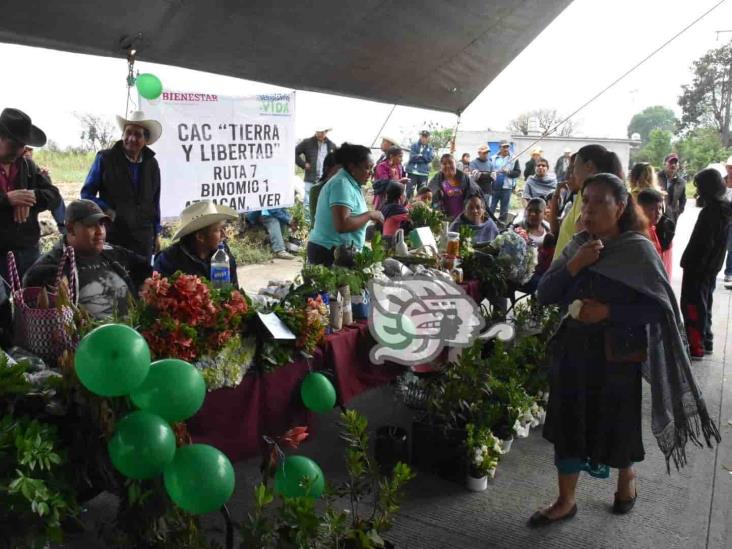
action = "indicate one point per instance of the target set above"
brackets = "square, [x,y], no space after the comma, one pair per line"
[184,317]
[516,258]
[484,451]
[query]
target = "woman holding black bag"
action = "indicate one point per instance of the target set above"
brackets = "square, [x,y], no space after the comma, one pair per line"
[614,287]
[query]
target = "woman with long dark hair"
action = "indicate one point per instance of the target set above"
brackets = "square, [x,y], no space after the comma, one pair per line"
[611,282]
[589,160]
[341,215]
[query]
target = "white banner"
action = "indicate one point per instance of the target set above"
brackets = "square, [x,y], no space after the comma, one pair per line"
[236,151]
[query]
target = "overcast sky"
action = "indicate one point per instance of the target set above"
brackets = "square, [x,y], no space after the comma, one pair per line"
[578,54]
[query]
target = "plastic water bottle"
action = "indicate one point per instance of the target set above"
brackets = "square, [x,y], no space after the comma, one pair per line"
[220,274]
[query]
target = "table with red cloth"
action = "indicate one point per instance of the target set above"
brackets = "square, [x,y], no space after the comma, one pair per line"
[234,420]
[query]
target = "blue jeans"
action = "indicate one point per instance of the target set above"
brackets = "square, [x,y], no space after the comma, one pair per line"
[306,199]
[416,182]
[274,230]
[502,197]
[728,266]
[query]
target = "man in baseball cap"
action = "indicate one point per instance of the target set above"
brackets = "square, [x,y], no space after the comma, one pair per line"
[107,274]
[674,184]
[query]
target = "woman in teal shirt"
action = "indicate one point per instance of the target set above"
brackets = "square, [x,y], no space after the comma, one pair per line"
[342,215]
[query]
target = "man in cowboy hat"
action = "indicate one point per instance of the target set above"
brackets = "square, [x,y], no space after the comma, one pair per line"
[24,192]
[310,154]
[125,182]
[386,144]
[481,169]
[201,231]
[530,168]
[107,274]
[24,189]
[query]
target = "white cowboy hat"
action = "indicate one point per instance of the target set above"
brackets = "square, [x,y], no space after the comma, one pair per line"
[137,118]
[200,215]
[392,140]
[323,128]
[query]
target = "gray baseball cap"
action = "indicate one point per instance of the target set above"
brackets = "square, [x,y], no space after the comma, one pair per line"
[84,211]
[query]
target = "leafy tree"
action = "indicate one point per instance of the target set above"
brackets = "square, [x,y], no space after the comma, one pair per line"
[707,101]
[655,151]
[700,148]
[97,132]
[655,117]
[546,119]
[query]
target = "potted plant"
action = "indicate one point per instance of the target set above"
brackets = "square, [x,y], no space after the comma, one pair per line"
[278,522]
[483,453]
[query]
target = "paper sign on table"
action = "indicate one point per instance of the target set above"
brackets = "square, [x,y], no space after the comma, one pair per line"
[275,326]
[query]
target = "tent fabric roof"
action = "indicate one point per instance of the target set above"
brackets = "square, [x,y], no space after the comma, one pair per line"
[435,54]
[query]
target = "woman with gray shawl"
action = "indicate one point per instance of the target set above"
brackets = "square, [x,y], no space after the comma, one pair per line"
[612,284]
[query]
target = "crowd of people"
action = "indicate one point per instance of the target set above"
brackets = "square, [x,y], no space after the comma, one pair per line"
[605,254]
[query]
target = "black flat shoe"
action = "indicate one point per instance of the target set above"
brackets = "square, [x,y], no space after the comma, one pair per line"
[539,519]
[623,507]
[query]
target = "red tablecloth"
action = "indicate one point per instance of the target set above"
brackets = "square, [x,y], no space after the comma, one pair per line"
[234,420]
[346,354]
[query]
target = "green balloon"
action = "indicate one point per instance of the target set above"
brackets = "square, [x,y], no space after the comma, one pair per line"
[200,479]
[149,86]
[142,445]
[174,389]
[318,393]
[291,474]
[112,360]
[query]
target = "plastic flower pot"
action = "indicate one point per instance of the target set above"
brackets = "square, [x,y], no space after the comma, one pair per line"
[506,445]
[360,306]
[476,484]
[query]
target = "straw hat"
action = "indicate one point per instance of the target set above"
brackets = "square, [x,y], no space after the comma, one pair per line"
[392,140]
[729,161]
[138,118]
[200,215]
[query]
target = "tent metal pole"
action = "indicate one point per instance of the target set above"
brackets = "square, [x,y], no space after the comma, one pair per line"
[373,143]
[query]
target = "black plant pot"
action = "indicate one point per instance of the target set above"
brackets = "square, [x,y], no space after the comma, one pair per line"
[439,450]
[391,446]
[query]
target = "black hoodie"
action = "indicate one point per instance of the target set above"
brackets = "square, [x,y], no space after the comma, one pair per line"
[707,247]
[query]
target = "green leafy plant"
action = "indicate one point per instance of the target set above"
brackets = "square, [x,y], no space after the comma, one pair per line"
[277,521]
[422,215]
[34,494]
[456,397]
[483,451]
[368,256]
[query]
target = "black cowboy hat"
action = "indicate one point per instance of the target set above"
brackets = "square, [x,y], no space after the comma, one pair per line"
[17,125]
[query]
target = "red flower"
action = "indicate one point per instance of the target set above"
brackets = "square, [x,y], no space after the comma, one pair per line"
[294,437]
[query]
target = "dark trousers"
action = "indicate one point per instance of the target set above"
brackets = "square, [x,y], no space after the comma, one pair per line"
[416,182]
[320,255]
[24,258]
[502,197]
[697,290]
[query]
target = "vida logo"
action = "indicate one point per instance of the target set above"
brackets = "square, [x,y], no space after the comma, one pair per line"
[275,107]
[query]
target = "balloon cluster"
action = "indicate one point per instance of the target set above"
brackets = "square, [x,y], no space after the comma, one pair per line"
[114,360]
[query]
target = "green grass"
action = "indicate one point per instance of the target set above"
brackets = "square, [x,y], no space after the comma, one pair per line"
[251,247]
[66,167]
